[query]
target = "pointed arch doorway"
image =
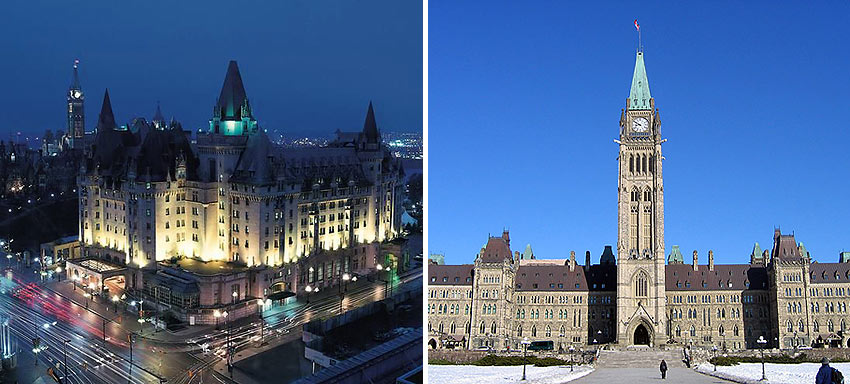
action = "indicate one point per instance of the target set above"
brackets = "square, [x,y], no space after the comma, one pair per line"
[641,336]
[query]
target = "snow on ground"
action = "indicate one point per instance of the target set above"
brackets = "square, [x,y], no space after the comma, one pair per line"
[776,373]
[472,374]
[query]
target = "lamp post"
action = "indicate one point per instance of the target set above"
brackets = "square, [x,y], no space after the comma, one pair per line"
[714,349]
[65,364]
[229,348]
[261,306]
[216,314]
[115,302]
[345,278]
[58,271]
[308,289]
[572,349]
[763,342]
[525,342]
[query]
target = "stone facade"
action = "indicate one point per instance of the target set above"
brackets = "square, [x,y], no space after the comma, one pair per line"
[781,295]
[150,193]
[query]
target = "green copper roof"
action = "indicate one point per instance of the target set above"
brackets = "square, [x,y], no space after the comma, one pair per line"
[639,94]
[528,253]
[844,257]
[756,251]
[675,256]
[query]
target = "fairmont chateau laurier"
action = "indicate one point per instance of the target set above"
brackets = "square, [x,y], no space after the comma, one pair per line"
[221,218]
[634,297]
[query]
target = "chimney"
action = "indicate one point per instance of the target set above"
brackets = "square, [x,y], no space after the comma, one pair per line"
[710,260]
[572,261]
[516,256]
[507,237]
[696,265]
[587,258]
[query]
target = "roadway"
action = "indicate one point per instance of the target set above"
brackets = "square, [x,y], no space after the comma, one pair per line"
[37,311]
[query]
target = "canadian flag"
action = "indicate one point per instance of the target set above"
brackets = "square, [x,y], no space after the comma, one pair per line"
[637,26]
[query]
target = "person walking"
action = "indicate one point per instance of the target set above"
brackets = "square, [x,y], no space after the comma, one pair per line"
[827,374]
[663,369]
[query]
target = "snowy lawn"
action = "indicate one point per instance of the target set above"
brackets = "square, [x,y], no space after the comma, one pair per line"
[473,374]
[776,373]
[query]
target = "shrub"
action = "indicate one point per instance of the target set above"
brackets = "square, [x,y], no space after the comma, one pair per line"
[440,362]
[783,359]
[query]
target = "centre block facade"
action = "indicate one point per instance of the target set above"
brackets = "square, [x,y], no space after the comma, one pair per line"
[635,297]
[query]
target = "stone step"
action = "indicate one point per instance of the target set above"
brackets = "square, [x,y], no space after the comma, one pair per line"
[640,358]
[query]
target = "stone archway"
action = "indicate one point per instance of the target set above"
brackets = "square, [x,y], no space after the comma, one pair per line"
[432,343]
[641,335]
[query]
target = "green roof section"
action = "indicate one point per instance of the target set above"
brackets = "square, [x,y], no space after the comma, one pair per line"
[675,256]
[844,257]
[756,252]
[528,254]
[639,95]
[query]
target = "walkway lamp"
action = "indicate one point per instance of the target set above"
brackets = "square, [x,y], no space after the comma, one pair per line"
[525,342]
[58,271]
[572,349]
[763,343]
[714,349]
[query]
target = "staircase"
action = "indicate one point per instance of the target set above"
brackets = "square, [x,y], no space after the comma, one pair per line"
[640,357]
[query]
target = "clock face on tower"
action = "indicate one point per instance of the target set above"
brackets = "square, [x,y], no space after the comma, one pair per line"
[640,125]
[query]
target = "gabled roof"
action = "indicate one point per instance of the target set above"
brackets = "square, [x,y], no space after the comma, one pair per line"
[497,250]
[639,95]
[550,278]
[829,273]
[232,95]
[254,164]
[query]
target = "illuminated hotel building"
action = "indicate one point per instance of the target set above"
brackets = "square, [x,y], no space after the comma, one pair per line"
[148,194]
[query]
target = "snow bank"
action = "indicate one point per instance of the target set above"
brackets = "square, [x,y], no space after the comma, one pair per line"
[472,374]
[776,373]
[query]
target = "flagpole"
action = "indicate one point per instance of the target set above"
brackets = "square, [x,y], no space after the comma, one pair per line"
[640,48]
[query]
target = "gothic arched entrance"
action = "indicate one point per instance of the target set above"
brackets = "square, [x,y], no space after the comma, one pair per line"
[641,335]
[432,343]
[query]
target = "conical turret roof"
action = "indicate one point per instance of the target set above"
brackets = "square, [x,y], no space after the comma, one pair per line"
[106,120]
[370,126]
[232,95]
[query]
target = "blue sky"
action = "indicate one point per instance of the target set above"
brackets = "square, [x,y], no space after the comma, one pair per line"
[308,67]
[524,102]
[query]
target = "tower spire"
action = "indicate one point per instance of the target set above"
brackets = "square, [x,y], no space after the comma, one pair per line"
[75,83]
[639,95]
[370,127]
[106,120]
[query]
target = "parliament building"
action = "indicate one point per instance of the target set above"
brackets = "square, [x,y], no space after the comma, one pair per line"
[634,297]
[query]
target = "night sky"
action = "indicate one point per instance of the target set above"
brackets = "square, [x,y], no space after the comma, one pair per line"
[309,67]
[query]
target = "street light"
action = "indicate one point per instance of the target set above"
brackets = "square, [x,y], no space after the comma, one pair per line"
[572,349]
[229,348]
[216,314]
[763,342]
[58,271]
[525,342]
[714,348]
[115,302]
[261,306]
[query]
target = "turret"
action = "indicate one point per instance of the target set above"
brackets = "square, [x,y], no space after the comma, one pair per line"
[572,261]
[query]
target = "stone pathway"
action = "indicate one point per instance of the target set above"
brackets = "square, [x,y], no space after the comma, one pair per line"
[646,375]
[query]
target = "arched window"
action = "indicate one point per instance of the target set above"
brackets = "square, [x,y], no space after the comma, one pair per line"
[452,328]
[533,331]
[644,163]
[641,285]
[440,328]
[493,328]
[843,326]
[517,313]
[519,330]
[693,331]
[735,331]
[721,331]
[815,326]
[481,328]
[829,326]
[563,331]
[548,331]
[631,163]
[800,326]
[678,331]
